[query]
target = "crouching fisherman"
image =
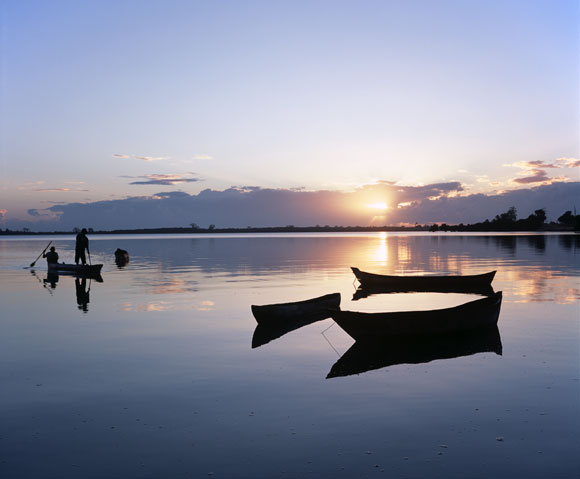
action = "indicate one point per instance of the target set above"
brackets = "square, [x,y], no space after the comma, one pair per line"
[51,256]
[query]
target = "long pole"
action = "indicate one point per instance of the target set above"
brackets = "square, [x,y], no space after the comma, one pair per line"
[34,262]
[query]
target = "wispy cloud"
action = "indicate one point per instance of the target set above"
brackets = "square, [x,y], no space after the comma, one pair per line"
[46,214]
[160,179]
[536,171]
[140,157]
[202,157]
[59,190]
[537,176]
[569,162]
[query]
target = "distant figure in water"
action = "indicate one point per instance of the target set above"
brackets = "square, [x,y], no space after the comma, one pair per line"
[121,257]
[82,244]
[82,294]
[51,256]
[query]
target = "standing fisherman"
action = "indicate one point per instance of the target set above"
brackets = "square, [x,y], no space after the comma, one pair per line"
[82,244]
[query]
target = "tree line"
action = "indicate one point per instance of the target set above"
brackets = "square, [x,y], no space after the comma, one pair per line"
[509,221]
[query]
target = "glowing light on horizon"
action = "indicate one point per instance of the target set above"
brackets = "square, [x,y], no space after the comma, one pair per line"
[379,206]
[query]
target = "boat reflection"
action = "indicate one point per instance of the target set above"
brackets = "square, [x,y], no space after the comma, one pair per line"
[275,320]
[264,333]
[368,356]
[82,285]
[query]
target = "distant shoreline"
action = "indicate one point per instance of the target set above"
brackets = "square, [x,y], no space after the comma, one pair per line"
[302,229]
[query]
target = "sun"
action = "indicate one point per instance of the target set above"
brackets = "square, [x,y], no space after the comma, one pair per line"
[378,206]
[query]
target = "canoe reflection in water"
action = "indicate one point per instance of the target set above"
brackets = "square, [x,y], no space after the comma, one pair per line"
[276,320]
[367,356]
[82,285]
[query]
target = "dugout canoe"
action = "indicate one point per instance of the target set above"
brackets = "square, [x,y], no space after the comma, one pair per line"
[82,269]
[310,309]
[424,283]
[465,317]
[363,357]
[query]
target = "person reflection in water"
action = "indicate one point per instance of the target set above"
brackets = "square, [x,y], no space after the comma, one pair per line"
[51,279]
[51,256]
[82,244]
[82,294]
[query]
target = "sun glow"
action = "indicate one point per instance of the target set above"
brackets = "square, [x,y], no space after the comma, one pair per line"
[378,206]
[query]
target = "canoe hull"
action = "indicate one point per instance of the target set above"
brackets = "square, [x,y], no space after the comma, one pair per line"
[308,310]
[424,283]
[82,269]
[473,315]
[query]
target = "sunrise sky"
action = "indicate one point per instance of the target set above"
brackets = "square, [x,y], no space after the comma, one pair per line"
[355,110]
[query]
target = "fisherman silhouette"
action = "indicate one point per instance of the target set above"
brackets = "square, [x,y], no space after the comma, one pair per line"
[81,245]
[51,256]
[82,294]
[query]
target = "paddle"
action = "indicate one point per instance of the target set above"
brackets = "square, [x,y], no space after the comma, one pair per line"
[34,262]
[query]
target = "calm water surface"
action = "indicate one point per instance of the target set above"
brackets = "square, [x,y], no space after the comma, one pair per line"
[151,373]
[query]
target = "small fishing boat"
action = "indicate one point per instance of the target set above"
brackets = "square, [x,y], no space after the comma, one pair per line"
[310,309]
[82,269]
[362,357]
[468,316]
[424,283]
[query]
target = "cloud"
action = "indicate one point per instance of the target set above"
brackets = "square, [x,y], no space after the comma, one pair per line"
[140,157]
[538,176]
[59,190]
[152,158]
[3,214]
[160,179]
[570,162]
[202,157]
[46,214]
[254,206]
[535,171]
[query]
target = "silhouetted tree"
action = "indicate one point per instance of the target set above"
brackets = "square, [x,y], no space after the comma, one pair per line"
[535,220]
[211,227]
[567,218]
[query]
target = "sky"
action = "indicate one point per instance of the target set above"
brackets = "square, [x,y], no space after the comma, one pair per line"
[145,113]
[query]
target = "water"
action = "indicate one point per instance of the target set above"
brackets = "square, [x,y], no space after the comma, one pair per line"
[151,373]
